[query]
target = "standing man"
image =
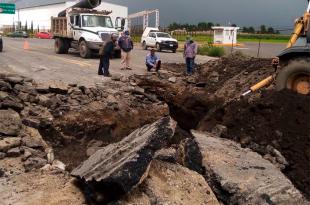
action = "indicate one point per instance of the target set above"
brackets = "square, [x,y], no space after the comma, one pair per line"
[105,53]
[153,61]
[126,45]
[190,52]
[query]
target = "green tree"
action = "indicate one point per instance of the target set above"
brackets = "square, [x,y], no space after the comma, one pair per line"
[251,29]
[245,29]
[234,25]
[202,26]
[263,29]
[270,30]
[210,25]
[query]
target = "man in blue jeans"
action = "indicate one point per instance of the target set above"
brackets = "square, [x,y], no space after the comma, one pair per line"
[190,52]
[105,53]
[153,61]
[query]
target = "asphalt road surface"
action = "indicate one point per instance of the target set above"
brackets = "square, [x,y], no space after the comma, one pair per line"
[265,50]
[42,64]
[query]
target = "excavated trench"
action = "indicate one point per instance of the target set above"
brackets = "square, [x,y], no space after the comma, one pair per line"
[280,120]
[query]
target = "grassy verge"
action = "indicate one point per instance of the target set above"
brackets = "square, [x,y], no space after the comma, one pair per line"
[202,39]
[213,51]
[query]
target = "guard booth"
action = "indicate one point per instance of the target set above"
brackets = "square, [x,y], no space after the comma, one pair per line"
[225,35]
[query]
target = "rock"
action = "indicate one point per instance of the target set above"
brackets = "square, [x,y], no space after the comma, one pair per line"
[126,162]
[111,100]
[172,79]
[4,86]
[58,87]
[14,152]
[116,77]
[34,152]
[241,176]
[90,151]
[219,130]
[10,123]
[14,79]
[137,90]
[191,80]
[9,142]
[2,155]
[12,103]
[171,184]
[34,163]
[44,101]
[214,77]
[167,155]
[32,138]
[3,95]
[59,165]
[31,122]
[42,88]
[26,155]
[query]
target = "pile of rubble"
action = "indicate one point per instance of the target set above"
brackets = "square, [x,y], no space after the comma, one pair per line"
[161,138]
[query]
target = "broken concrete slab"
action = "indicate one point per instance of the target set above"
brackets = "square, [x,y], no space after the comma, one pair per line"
[121,166]
[10,122]
[14,152]
[58,87]
[32,138]
[171,184]
[9,142]
[241,176]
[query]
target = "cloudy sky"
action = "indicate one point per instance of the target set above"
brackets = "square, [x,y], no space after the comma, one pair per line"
[276,13]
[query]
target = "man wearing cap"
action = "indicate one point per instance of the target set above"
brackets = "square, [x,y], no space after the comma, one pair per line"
[105,53]
[190,52]
[153,61]
[126,45]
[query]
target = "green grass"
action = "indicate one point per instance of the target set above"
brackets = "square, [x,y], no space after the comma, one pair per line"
[213,51]
[202,39]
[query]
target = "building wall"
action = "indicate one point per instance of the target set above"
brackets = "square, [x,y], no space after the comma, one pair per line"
[41,16]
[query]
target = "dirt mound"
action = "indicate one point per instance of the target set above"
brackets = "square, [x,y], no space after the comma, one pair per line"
[277,119]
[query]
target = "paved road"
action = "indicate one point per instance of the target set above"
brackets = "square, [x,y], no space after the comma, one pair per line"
[42,64]
[267,50]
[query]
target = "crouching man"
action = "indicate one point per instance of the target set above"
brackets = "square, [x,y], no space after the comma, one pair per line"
[153,61]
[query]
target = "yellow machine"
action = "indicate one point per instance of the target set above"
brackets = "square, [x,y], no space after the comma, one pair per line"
[292,64]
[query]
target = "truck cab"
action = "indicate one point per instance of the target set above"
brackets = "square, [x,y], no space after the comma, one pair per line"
[83,29]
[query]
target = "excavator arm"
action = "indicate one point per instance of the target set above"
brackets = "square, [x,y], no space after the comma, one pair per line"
[300,82]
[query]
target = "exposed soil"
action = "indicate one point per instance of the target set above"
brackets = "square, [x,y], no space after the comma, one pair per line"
[280,119]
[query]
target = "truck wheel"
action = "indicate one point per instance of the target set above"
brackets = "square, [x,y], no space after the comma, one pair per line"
[174,51]
[296,77]
[59,46]
[158,47]
[85,52]
[66,46]
[144,46]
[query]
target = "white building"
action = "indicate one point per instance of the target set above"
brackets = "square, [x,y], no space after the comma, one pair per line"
[225,35]
[40,12]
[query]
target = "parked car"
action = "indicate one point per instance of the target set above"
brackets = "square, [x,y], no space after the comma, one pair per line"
[19,34]
[1,43]
[159,40]
[44,35]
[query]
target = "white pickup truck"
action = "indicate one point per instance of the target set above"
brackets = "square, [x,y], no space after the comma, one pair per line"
[153,38]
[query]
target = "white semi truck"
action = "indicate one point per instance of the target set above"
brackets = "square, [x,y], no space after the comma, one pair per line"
[83,28]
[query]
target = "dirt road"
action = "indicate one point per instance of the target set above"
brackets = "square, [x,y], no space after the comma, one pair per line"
[42,64]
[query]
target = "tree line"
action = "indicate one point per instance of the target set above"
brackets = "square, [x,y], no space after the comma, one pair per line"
[206,26]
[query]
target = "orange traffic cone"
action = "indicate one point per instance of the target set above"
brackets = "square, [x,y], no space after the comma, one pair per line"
[26,45]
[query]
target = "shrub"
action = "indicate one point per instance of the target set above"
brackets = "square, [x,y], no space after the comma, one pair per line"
[210,50]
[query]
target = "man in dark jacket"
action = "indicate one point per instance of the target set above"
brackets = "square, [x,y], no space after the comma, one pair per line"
[105,53]
[126,45]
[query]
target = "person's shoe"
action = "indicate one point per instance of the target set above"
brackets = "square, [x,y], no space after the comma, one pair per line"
[107,75]
[128,68]
[123,68]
